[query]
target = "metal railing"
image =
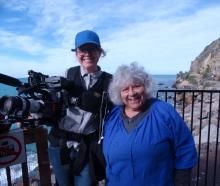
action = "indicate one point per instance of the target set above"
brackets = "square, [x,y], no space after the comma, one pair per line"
[201,111]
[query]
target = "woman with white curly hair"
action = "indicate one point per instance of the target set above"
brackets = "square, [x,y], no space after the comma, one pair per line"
[146,142]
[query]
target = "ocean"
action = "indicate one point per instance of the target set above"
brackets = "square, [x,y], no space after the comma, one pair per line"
[160,82]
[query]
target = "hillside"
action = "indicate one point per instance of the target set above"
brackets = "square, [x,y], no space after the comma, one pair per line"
[204,71]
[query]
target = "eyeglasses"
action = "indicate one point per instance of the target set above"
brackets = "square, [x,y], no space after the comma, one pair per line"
[89,49]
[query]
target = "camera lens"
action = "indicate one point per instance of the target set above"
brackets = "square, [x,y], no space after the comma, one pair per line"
[12,104]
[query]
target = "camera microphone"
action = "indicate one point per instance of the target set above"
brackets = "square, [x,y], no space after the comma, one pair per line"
[10,80]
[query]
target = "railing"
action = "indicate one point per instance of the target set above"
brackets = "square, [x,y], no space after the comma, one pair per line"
[201,111]
[38,136]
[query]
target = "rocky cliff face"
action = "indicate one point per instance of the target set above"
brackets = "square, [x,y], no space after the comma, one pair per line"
[202,110]
[204,71]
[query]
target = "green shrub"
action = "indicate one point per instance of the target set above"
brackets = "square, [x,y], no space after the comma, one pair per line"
[192,79]
[206,72]
[183,75]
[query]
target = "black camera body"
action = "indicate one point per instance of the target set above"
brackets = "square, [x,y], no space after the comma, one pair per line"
[43,100]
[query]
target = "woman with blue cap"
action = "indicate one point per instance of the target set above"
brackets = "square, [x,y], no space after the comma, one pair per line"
[72,140]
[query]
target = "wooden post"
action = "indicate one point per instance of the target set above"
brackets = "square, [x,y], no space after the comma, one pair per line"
[40,137]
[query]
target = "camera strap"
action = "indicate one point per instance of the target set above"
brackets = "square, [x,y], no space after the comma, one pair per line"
[103,113]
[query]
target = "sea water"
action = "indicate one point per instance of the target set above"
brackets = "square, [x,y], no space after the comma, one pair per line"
[160,82]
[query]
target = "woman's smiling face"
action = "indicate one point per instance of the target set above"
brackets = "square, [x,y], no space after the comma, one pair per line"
[133,96]
[88,56]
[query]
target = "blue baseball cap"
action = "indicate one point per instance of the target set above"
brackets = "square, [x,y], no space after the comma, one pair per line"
[84,37]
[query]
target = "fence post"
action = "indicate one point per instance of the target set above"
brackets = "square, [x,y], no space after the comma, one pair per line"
[40,137]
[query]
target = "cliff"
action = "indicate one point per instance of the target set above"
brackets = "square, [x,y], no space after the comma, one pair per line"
[204,71]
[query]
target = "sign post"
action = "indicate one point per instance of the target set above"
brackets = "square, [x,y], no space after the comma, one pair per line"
[12,148]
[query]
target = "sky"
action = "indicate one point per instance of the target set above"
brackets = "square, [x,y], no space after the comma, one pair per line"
[164,36]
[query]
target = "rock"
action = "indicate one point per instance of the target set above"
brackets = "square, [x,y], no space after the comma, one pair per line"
[204,71]
[201,117]
[204,135]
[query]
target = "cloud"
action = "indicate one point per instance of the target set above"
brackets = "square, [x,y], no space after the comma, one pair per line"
[165,36]
[165,46]
[23,43]
[14,5]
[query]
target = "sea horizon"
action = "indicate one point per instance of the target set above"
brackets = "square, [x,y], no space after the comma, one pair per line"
[160,81]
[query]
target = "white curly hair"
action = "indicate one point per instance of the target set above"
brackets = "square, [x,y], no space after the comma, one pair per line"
[126,75]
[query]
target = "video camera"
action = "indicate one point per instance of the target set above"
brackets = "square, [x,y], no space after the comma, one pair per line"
[43,100]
